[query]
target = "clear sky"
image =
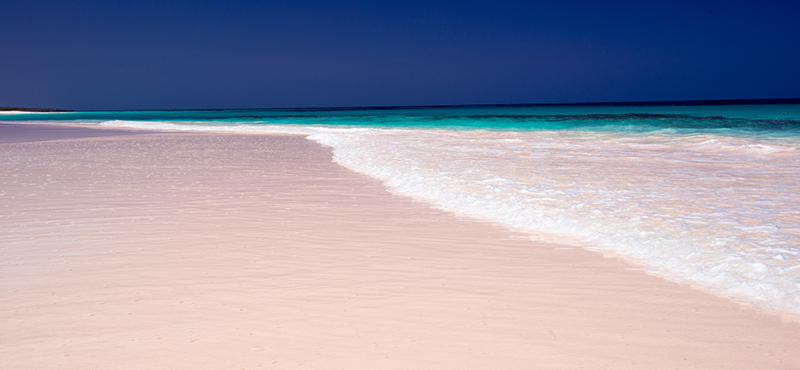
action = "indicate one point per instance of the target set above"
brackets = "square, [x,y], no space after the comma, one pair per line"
[164,54]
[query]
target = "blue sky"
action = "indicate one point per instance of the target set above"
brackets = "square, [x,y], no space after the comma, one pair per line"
[262,54]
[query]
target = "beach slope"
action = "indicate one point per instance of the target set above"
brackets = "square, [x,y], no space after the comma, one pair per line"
[211,251]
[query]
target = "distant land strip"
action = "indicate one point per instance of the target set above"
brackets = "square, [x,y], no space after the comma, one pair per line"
[34,109]
[396,107]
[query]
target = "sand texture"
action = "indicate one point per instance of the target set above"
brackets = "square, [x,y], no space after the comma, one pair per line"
[206,251]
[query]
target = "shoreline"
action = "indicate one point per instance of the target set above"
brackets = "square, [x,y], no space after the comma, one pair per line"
[222,250]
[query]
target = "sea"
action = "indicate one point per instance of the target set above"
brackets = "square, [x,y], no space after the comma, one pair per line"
[703,192]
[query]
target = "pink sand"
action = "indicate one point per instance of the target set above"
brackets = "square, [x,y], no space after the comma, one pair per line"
[192,251]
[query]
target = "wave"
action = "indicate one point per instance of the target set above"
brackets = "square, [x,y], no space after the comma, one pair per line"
[712,210]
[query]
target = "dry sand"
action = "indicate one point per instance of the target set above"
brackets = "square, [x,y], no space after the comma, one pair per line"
[192,251]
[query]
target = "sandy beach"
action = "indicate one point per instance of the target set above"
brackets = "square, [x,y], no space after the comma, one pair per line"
[141,250]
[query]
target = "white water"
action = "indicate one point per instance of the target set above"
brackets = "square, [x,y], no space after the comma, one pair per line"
[717,211]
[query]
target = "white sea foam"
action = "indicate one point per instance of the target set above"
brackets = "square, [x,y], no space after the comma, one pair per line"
[9,112]
[716,211]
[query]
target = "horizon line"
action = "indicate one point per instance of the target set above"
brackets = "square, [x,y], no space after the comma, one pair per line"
[698,102]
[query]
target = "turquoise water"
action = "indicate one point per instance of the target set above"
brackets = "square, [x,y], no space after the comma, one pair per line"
[706,194]
[770,119]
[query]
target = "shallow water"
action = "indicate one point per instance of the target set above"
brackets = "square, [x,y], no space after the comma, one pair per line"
[704,194]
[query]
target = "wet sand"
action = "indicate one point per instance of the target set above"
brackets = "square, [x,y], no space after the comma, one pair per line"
[209,251]
[21,133]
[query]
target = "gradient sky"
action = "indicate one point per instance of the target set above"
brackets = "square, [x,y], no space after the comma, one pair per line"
[150,54]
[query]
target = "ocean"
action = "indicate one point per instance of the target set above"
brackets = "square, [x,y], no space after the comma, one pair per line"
[706,193]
